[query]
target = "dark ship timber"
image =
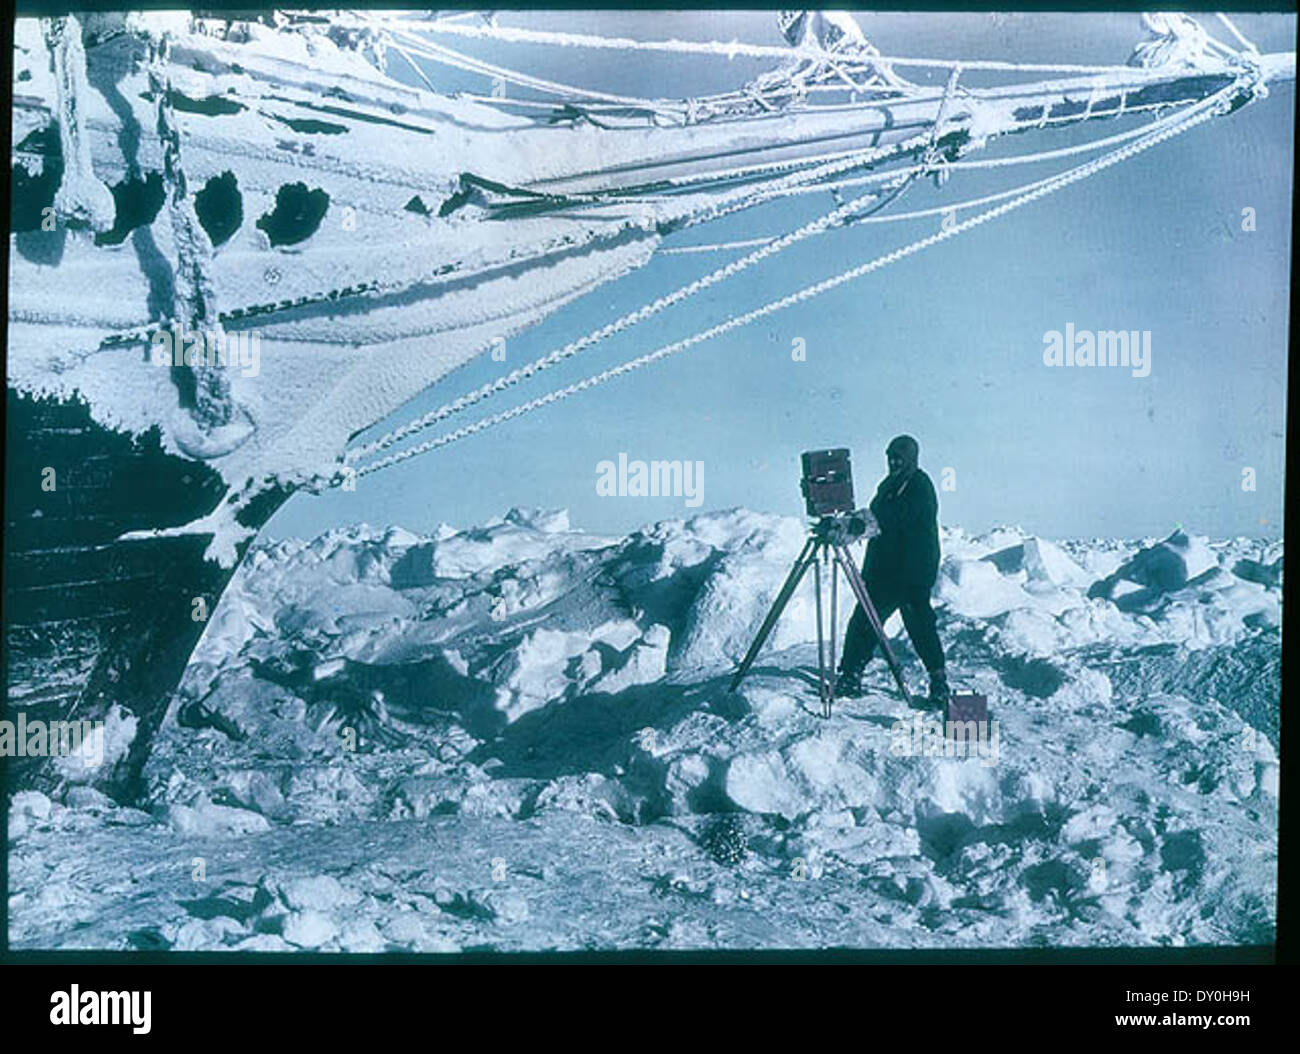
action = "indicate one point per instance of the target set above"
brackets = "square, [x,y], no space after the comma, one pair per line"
[91,620]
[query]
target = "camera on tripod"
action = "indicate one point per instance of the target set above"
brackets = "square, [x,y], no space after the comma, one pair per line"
[827,488]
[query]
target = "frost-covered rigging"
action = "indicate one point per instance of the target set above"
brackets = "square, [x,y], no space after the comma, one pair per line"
[1176,41]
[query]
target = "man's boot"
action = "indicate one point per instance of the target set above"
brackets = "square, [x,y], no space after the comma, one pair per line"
[848,685]
[939,690]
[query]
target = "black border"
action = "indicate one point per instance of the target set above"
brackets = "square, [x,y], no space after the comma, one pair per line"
[1127,960]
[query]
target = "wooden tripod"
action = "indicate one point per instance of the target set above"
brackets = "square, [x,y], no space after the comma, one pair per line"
[828,546]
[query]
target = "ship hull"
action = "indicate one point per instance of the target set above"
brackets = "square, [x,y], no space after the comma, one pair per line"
[91,621]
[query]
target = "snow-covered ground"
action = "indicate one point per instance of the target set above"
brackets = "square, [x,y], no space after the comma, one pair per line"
[519,736]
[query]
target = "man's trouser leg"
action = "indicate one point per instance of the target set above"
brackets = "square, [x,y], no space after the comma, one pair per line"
[860,639]
[918,617]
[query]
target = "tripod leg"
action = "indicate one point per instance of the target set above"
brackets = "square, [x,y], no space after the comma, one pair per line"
[819,558]
[860,591]
[774,613]
[830,695]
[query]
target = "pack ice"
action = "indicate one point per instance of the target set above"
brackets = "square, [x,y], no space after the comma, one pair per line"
[519,736]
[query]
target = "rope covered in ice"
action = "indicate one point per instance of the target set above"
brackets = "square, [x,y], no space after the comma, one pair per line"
[456,60]
[889,217]
[938,210]
[767,247]
[619,325]
[729,204]
[735,49]
[1173,126]
[718,206]
[1005,162]
[1236,32]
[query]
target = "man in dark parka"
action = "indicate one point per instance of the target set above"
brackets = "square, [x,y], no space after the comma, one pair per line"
[901,564]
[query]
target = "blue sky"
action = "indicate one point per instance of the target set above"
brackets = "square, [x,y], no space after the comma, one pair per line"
[946,345]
